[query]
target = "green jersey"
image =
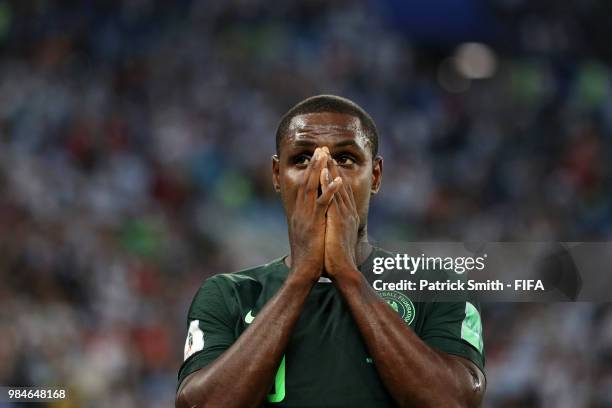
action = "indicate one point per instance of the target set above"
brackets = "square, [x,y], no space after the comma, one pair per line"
[326,363]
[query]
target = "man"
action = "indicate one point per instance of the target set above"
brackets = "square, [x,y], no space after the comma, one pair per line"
[308,330]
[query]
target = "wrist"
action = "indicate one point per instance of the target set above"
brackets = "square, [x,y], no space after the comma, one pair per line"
[348,277]
[303,276]
[340,266]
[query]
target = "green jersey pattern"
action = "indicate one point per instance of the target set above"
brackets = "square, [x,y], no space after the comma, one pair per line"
[326,363]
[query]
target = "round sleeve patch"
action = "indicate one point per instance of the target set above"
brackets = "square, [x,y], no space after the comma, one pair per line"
[195,339]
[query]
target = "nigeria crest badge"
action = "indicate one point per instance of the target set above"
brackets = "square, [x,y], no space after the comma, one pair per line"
[399,302]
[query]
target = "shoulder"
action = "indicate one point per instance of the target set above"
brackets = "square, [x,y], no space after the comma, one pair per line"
[221,290]
[249,275]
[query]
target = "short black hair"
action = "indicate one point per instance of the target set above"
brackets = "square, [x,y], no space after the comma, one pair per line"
[332,104]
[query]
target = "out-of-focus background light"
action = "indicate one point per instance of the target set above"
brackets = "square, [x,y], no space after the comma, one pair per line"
[475,61]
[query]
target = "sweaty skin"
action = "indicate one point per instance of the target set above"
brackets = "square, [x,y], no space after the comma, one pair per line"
[326,174]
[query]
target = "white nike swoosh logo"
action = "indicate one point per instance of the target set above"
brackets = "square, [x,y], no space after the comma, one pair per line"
[248,319]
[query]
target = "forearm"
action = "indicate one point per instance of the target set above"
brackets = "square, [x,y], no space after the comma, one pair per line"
[248,367]
[414,373]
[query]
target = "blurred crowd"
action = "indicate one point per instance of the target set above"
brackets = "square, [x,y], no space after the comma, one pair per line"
[135,144]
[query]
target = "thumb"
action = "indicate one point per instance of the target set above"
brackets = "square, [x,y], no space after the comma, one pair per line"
[328,192]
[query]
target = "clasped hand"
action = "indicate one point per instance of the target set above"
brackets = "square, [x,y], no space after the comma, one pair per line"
[323,228]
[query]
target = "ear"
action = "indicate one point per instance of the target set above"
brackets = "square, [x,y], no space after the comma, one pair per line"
[377,171]
[276,173]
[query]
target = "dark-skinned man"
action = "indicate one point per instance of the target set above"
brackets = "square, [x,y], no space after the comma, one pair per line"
[308,329]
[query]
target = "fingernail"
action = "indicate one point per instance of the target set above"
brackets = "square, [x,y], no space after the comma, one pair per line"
[326,149]
[335,162]
[316,154]
[338,180]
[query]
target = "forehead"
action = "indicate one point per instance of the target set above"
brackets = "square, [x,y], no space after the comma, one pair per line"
[325,128]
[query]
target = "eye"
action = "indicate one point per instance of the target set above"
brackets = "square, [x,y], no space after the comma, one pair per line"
[345,160]
[302,160]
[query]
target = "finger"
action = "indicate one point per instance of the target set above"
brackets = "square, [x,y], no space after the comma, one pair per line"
[333,168]
[334,206]
[353,203]
[310,167]
[324,179]
[351,197]
[312,182]
[306,177]
[327,195]
[342,196]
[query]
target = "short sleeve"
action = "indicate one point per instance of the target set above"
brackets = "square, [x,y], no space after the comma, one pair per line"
[455,328]
[210,329]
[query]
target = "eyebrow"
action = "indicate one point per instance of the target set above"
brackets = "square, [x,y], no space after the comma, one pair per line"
[349,142]
[343,143]
[304,143]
